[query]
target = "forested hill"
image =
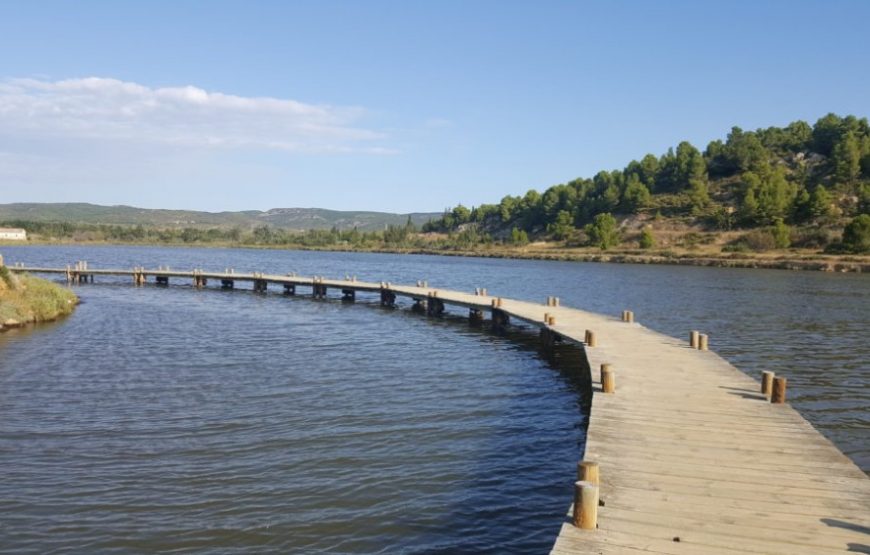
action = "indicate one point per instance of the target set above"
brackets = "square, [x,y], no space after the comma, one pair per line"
[30,215]
[799,175]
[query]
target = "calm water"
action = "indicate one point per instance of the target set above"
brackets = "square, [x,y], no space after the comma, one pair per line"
[177,420]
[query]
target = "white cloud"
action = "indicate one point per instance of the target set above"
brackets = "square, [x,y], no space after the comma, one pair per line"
[104,109]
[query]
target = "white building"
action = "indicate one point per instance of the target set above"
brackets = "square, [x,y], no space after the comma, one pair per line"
[12,234]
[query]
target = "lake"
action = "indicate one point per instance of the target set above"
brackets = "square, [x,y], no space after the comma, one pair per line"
[174,419]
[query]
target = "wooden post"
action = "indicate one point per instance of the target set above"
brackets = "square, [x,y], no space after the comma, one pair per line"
[591,341]
[585,505]
[778,395]
[551,321]
[694,338]
[767,382]
[605,367]
[587,471]
[555,301]
[703,342]
[475,317]
[608,380]
[549,338]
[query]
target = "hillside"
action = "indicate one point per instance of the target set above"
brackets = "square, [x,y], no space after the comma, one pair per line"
[799,185]
[284,218]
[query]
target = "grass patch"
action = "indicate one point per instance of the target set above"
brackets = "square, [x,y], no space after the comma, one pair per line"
[34,300]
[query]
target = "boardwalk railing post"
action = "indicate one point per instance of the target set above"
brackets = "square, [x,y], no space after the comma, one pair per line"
[605,367]
[587,471]
[608,380]
[590,339]
[585,505]
[767,382]
[778,395]
[694,338]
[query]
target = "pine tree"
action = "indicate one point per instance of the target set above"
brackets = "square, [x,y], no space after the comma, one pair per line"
[847,159]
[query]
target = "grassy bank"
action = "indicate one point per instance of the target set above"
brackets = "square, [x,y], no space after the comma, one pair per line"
[26,299]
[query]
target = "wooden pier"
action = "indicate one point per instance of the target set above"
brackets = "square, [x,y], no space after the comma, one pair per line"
[684,453]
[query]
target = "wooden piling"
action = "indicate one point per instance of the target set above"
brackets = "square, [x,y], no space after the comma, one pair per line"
[591,340]
[475,317]
[608,380]
[778,393]
[767,382]
[587,471]
[585,505]
[694,338]
[703,342]
[551,321]
[605,366]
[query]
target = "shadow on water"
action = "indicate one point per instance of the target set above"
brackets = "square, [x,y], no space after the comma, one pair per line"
[484,504]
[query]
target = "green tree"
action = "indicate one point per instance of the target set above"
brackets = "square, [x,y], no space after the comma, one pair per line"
[846,156]
[603,232]
[519,237]
[636,194]
[826,133]
[507,208]
[856,235]
[698,193]
[461,215]
[820,203]
[781,234]
[647,240]
[563,227]
[745,152]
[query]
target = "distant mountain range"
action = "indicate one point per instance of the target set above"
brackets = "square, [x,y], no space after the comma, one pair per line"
[286,218]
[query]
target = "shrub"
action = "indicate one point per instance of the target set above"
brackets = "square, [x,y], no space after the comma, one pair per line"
[603,232]
[757,240]
[856,235]
[781,234]
[647,241]
[8,279]
[811,238]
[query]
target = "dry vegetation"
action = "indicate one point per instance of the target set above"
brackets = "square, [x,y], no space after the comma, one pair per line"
[25,299]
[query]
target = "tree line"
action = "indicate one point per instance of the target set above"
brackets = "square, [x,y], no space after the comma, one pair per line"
[798,174]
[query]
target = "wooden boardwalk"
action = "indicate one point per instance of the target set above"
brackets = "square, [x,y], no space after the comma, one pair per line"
[692,458]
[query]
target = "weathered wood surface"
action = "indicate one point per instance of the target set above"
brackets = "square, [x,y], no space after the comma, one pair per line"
[693,459]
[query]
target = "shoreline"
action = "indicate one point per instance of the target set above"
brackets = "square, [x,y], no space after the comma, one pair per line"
[27,300]
[773,260]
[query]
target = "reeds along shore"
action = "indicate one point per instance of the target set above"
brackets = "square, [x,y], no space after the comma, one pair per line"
[25,299]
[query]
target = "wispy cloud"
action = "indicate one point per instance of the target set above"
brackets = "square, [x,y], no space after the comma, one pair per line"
[104,109]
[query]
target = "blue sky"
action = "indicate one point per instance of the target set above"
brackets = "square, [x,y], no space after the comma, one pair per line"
[398,106]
